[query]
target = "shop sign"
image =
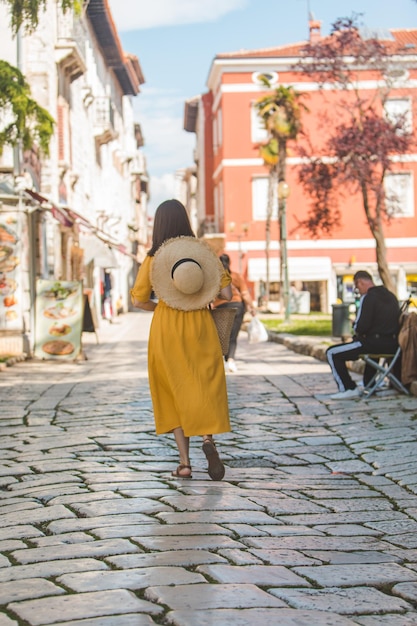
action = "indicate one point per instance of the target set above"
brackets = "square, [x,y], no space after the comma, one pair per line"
[11,234]
[58,321]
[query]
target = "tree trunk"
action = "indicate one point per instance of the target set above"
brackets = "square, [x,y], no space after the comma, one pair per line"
[271,194]
[375,225]
[282,155]
[381,259]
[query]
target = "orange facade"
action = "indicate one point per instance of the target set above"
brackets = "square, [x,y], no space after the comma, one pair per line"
[233,189]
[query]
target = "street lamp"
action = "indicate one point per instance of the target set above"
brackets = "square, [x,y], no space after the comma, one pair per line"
[283,193]
[245,228]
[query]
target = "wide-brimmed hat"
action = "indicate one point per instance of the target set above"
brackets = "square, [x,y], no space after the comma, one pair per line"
[186,273]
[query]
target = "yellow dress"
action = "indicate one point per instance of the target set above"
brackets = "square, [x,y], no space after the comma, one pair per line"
[185,366]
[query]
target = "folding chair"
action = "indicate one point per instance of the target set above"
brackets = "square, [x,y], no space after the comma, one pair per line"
[383,365]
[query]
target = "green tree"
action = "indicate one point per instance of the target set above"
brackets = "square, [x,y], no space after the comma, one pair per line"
[25,13]
[23,121]
[362,139]
[280,111]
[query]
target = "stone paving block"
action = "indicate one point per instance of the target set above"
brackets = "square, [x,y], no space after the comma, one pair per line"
[405,540]
[134,619]
[50,569]
[360,517]
[87,523]
[311,542]
[348,530]
[84,605]
[221,502]
[240,557]
[284,557]
[24,589]
[335,557]
[284,530]
[279,506]
[208,596]
[133,579]
[4,561]
[119,505]
[218,517]
[186,542]
[181,558]
[6,621]
[37,516]
[408,591]
[78,550]
[66,538]
[351,601]
[359,504]
[348,575]
[261,575]
[160,530]
[390,619]
[249,617]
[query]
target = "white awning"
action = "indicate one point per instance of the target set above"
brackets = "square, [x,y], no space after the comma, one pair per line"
[97,251]
[299,268]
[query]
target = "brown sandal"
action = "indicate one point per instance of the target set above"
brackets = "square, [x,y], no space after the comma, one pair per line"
[181,467]
[215,466]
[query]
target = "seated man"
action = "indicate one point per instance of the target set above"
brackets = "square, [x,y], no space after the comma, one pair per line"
[376,331]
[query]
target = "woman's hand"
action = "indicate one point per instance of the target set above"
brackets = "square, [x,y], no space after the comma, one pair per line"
[149,305]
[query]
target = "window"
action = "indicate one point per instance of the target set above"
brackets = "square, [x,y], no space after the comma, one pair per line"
[217,130]
[260,199]
[259,134]
[260,77]
[399,109]
[399,194]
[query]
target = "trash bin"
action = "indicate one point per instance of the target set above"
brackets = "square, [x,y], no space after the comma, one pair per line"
[341,324]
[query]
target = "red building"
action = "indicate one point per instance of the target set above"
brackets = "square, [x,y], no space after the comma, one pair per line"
[232,178]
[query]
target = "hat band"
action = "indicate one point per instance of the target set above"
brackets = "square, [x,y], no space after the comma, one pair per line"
[178,263]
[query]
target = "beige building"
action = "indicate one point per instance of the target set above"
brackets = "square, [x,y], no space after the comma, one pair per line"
[81,212]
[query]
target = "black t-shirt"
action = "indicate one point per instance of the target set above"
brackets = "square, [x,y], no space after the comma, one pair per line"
[378,314]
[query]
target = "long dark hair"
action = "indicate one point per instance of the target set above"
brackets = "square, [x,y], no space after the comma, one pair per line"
[171,220]
[225,259]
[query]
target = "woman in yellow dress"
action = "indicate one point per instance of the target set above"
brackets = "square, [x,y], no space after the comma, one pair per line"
[185,361]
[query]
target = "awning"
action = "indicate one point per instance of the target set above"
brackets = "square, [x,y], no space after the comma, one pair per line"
[299,268]
[97,251]
[67,217]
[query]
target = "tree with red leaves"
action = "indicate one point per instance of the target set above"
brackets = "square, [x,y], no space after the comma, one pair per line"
[359,150]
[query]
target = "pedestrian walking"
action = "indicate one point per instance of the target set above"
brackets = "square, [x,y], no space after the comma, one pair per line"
[186,374]
[376,330]
[242,302]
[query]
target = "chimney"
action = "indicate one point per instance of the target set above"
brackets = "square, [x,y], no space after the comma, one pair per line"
[315,29]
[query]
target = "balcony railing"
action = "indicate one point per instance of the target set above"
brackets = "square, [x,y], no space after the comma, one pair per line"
[103,120]
[70,44]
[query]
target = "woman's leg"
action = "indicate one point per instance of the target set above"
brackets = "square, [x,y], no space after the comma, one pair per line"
[215,466]
[237,323]
[183,445]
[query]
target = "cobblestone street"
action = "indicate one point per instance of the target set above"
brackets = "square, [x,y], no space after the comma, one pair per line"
[315,523]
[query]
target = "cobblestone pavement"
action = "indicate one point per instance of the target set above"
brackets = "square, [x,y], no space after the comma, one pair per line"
[313,525]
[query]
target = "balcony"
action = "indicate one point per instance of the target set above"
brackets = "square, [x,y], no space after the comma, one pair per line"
[70,45]
[103,120]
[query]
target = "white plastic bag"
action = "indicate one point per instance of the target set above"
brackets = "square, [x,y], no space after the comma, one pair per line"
[257,331]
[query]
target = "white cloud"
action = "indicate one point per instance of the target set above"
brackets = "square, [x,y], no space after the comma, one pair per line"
[161,188]
[168,146]
[137,14]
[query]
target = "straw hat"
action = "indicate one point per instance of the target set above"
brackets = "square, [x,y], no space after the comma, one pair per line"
[186,273]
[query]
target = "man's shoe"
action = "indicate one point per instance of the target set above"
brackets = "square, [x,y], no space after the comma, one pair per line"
[232,365]
[349,394]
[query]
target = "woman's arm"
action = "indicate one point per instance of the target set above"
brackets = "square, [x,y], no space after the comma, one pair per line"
[149,305]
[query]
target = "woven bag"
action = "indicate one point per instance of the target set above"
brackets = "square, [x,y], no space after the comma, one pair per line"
[224,318]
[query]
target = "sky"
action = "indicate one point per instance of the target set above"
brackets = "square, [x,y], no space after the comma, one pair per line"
[176,42]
